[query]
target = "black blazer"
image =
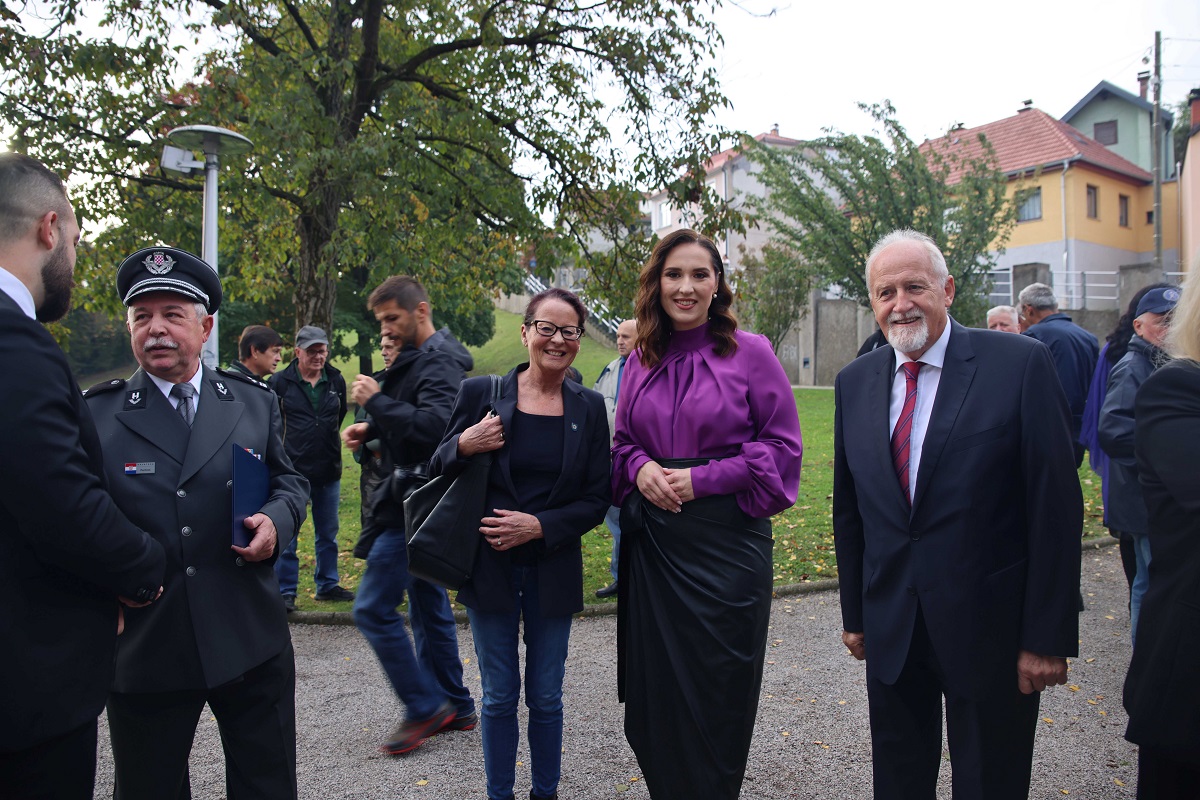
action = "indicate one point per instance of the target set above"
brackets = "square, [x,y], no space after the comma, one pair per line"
[990,546]
[1162,694]
[577,503]
[66,552]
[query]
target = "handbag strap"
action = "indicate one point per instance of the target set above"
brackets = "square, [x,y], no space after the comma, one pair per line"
[496,386]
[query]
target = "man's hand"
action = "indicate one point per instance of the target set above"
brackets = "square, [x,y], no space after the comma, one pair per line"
[263,544]
[1035,673]
[856,644]
[354,435]
[364,388]
[652,482]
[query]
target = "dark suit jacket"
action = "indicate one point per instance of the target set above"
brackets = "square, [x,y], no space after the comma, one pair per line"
[1162,694]
[577,503]
[66,551]
[219,615]
[990,546]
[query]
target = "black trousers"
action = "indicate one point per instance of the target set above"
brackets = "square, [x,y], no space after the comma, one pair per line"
[1161,777]
[63,768]
[152,736]
[991,740]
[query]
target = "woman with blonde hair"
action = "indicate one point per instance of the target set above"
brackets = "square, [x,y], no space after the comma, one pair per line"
[1162,694]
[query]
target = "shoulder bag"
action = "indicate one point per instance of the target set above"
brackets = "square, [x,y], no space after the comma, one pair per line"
[442,520]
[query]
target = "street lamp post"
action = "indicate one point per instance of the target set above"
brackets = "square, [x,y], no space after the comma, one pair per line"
[213,141]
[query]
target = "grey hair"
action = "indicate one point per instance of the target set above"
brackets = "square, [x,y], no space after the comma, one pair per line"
[1038,296]
[201,313]
[995,310]
[936,260]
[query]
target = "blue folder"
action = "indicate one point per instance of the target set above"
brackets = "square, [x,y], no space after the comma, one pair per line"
[251,488]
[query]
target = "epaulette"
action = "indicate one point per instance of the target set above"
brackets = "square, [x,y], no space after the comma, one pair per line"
[244,378]
[104,386]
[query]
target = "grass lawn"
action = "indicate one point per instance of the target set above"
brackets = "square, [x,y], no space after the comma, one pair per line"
[803,533]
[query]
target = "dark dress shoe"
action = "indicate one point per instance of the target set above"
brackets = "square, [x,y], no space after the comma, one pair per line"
[607,591]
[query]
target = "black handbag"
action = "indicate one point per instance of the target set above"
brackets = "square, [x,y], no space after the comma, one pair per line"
[442,520]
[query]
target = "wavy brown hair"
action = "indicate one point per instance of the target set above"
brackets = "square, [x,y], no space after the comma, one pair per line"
[654,326]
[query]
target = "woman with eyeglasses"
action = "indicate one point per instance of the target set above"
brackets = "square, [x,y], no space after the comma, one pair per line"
[549,485]
[707,448]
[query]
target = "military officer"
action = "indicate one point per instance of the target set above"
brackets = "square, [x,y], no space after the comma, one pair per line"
[219,633]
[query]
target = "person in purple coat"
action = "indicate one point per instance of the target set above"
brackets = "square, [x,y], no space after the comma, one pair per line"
[707,448]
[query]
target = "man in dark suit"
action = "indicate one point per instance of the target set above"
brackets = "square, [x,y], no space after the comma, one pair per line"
[219,635]
[66,551]
[957,517]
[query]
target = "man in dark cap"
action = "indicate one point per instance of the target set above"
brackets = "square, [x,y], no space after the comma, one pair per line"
[66,551]
[313,396]
[1126,507]
[219,634]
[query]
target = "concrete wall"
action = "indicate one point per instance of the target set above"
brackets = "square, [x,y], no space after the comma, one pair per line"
[837,340]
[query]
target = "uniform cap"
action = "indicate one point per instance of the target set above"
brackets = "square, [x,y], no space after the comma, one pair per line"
[168,269]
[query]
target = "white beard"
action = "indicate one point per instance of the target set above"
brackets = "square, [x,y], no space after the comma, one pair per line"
[908,338]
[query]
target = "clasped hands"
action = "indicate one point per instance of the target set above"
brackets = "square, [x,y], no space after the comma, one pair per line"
[665,487]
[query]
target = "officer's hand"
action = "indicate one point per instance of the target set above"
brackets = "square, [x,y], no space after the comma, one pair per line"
[263,544]
[364,388]
[354,435]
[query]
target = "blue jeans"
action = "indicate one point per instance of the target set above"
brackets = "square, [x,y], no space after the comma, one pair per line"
[325,499]
[500,670]
[423,679]
[1141,552]
[613,520]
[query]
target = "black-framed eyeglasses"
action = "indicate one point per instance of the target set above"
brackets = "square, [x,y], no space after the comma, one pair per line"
[569,332]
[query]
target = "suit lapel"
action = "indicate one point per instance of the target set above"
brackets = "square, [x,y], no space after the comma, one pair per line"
[574,429]
[958,371]
[506,407]
[157,423]
[214,423]
[879,402]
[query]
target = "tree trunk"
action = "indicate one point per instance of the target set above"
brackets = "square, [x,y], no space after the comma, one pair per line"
[317,270]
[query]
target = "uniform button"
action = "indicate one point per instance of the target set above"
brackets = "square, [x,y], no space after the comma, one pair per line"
[187,530]
[241,562]
[191,571]
[180,493]
[916,536]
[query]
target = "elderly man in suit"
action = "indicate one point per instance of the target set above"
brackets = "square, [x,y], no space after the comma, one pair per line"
[957,517]
[66,552]
[219,634]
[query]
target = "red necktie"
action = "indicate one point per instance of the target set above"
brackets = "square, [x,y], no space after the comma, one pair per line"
[903,432]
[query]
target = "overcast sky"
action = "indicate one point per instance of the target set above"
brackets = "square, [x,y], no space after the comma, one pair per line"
[941,62]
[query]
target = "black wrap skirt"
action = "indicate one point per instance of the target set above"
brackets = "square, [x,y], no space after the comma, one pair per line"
[695,601]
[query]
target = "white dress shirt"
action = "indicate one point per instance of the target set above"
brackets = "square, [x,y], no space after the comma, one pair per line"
[165,388]
[19,292]
[928,380]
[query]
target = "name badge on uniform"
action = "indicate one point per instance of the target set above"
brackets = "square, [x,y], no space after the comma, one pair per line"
[139,468]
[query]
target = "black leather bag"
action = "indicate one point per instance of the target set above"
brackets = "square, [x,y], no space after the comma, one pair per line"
[442,520]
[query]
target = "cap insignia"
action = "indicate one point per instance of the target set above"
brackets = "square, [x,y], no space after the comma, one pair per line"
[159,263]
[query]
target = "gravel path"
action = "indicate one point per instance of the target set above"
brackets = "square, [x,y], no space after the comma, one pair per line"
[811,740]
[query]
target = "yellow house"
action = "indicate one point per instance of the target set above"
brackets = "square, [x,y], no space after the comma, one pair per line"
[1087,211]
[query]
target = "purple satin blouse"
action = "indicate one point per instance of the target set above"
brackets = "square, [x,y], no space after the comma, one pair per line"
[695,404]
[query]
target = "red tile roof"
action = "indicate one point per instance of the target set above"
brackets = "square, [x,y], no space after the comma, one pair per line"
[718,161]
[1031,139]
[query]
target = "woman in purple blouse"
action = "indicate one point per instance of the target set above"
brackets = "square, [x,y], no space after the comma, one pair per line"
[707,448]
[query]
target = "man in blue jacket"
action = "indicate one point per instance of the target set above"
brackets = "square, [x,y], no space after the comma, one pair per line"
[313,397]
[1073,349]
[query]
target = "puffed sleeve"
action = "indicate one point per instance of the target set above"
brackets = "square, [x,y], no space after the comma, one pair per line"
[765,473]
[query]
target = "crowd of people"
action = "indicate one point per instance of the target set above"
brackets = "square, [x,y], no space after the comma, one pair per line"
[957,515]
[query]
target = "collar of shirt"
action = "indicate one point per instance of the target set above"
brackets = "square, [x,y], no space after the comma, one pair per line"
[928,380]
[165,388]
[19,292]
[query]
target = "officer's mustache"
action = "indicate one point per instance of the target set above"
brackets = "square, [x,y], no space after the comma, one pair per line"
[160,341]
